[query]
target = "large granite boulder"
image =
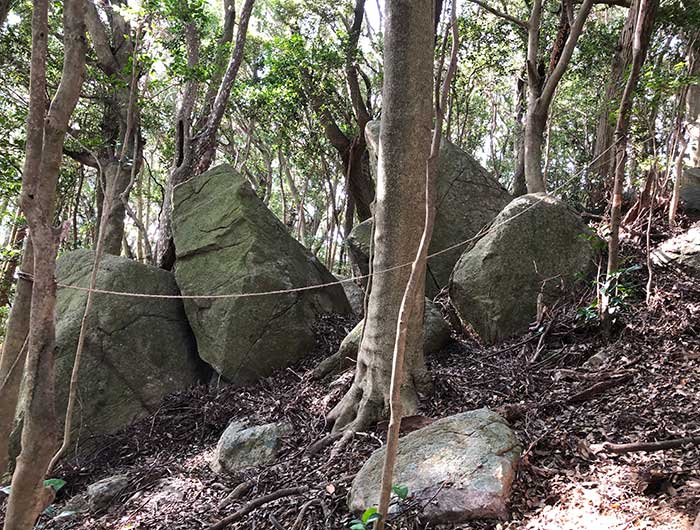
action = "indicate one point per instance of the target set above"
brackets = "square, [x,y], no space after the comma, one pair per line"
[227,241]
[468,198]
[535,250]
[436,334]
[682,251]
[136,350]
[460,468]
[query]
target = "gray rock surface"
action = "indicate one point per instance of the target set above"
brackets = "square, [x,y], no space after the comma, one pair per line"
[682,251]
[356,296]
[537,247]
[101,493]
[460,467]
[241,447]
[468,198]
[228,241]
[136,351]
[436,334]
[690,189]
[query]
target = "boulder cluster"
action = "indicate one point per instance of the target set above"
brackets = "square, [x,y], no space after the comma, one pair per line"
[498,261]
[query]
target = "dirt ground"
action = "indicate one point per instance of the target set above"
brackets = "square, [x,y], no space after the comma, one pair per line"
[647,389]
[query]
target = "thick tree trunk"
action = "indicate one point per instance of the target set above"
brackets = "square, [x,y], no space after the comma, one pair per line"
[45,136]
[403,154]
[535,126]
[118,176]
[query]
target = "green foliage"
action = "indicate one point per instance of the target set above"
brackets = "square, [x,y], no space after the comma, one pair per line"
[615,290]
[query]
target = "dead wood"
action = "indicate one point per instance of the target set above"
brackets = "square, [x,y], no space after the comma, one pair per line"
[651,446]
[255,503]
[598,388]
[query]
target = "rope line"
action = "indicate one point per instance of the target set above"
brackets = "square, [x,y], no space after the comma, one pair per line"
[484,230]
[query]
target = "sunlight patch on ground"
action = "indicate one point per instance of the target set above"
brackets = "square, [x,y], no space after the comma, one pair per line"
[607,501]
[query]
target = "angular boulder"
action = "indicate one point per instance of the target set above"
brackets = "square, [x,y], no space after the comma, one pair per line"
[536,249]
[227,241]
[136,351]
[241,447]
[467,199]
[460,468]
[682,251]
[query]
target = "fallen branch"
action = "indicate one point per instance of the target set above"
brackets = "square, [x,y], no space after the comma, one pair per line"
[597,389]
[650,446]
[324,442]
[256,503]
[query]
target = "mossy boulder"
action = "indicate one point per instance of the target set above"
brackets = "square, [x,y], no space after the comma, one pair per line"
[228,241]
[136,350]
[534,252]
[467,199]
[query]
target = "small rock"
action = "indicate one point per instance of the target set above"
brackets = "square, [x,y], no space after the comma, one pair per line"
[101,493]
[241,447]
[460,468]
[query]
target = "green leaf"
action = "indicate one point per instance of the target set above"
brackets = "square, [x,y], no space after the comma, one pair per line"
[369,512]
[401,491]
[55,483]
[358,526]
[6,489]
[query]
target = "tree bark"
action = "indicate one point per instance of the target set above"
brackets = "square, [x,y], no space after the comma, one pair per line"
[403,153]
[519,184]
[195,144]
[693,103]
[541,89]
[645,14]
[45,136]
[115,50]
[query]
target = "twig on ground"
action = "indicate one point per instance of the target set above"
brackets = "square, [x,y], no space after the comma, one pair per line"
[256,503]
[650,446]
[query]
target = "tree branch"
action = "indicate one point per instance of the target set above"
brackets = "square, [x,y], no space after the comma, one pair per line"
[82,157]
[574,34]
[518,22]
[100,39]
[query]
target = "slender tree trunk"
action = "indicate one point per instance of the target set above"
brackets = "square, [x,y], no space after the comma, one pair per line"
[195,149]
[693,102]
[14,351]
[541,89]
[519,184]
[603,154]
[646,12]
[403,154]
[45,136]
[17,237]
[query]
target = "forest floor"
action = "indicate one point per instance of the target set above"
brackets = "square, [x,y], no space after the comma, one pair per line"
[647,389]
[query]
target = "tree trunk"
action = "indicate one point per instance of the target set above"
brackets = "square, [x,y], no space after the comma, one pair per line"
[693,103]
[45,136]
[519,184]
[541,89]
[646,12]
[118,176]
[195,149]
[602,169]
[14,351]
[403,154]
